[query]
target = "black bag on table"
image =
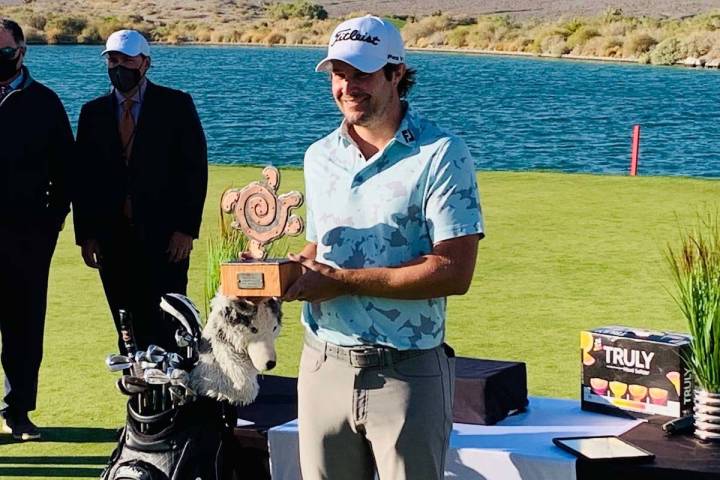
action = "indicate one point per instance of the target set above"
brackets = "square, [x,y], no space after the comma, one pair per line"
[187,442]
[487,391]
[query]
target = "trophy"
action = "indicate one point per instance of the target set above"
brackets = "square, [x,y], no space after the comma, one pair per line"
[263,217]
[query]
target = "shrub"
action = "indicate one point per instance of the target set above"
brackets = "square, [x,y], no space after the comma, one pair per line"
[644,59]
[458,37]
[698,44]
[581,36]
[613,47]
[274,38]
[707,21]
[106,26]
[34,36]
[487,32]
[615,29]
[297,9]
[37,22]
[159,34]
[225,36]
[638,44]
[595,47]
[55,35]
[179,37]
[436,39]
[90,35]
[612,15]
[67,25]
[573,26]
[517,44]
[667,52]
[218,36]
[554,45]
[203,35]
[254,35]
[541,33]
[295,37]
[413,32]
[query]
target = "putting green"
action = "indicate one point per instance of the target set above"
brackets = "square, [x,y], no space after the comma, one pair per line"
[563,253]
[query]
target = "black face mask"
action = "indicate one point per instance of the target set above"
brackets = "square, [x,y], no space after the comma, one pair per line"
[123,78]
[8,68]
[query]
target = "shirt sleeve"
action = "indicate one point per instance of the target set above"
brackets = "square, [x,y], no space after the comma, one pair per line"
[453,201]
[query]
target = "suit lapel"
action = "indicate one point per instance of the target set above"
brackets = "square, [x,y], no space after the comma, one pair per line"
[110,115]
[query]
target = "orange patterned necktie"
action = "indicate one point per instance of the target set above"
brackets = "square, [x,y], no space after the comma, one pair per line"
[127,128]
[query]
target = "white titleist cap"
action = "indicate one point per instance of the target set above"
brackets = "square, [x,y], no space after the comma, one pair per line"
[129,42]
[367,43]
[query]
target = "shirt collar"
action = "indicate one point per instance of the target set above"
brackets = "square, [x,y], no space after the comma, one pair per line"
[406,133]
[15,84]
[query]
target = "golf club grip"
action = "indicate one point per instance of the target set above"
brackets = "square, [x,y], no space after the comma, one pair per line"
[126,331]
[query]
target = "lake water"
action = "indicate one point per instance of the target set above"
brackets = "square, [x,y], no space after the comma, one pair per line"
[266,105]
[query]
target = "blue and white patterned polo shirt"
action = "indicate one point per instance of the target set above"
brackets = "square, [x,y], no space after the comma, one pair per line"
[382,212]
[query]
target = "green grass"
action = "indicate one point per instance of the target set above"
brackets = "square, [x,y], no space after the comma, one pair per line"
[563,253]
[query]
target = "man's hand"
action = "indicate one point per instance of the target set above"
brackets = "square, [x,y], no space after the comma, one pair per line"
[179,247]
[91,253]
[318,283]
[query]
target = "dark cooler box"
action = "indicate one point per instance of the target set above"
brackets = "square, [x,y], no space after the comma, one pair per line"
[486,391]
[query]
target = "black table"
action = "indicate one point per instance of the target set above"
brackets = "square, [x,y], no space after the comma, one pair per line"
[679,457]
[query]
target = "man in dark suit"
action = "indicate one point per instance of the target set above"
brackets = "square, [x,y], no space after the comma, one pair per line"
[140,187]
[35,158]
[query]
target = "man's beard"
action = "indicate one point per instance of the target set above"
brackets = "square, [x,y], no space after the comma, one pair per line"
[366,117]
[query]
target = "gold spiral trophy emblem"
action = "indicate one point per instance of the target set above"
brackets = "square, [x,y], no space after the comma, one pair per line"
[263,217]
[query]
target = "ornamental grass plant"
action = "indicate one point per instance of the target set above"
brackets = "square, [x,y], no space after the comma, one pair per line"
[695,266]
[223,246]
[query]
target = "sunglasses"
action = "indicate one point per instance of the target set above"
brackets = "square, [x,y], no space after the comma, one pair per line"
[8,53]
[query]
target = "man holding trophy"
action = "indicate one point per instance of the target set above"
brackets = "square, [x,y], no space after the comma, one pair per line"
[393,222]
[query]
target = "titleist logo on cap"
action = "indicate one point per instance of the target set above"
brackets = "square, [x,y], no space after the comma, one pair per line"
[355,36]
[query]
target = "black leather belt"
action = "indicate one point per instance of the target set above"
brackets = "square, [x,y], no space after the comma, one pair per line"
[363,356]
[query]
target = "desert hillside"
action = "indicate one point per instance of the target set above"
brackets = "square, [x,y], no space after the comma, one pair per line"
[662,32]
[515,8]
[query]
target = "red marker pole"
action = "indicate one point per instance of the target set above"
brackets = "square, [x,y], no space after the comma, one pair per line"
[635,150]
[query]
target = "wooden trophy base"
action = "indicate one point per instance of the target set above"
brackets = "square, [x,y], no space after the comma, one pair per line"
[258,278]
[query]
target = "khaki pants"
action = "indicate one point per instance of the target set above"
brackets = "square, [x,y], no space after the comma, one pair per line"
[394,418]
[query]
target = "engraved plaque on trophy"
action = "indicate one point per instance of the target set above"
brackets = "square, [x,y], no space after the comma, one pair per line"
[263,217]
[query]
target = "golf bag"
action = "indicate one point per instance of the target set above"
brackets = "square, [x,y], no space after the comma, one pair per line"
[186,442]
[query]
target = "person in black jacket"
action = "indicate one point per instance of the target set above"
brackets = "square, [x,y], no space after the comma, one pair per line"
[37,145]
[140,188]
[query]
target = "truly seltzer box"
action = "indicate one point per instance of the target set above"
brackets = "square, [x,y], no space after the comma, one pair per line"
[635,370]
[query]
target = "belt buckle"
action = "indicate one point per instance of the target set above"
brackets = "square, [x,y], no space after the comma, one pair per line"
[365,357]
